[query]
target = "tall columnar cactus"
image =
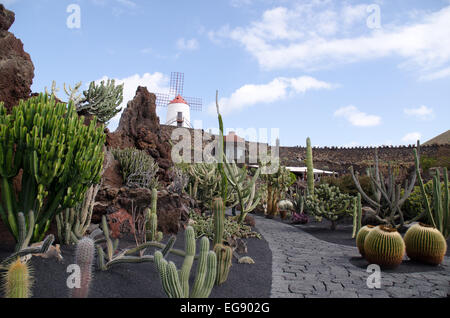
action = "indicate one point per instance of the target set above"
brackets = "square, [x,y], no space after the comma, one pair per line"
[59,158]
[102,100]
[438,210]
[218,210]
[357,215]
[176,283]
[18,280]
[384,246]
[388,194]
[309,167]
[425,243]
[361,237]
[73,223]
[152,220]
[84,258]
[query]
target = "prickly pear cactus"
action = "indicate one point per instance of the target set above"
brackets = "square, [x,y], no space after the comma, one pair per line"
[425,244]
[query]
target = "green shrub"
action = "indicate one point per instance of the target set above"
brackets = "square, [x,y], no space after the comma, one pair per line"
[137,167]
[346,185]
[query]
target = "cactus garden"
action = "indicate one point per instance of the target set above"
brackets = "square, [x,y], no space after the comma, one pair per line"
[102,198]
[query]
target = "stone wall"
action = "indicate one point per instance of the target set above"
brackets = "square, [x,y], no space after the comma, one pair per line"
[339,159]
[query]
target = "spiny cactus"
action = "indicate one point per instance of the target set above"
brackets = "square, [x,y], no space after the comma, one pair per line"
[310,167]
[384,246]
[84,258]
[224,257]
[59,158]
[439,209]
[357,215]
[152,220]
[111,256]
[328,202]
[361,237]
[425,243]
[176,283]
[102,100]
[218,210]
[73,223]
[139,169]
[388,195]
[41,249]
[18,280]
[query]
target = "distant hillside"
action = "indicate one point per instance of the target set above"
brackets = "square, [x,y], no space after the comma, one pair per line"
[442,139]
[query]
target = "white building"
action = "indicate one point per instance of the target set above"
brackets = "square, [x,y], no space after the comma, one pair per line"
[178,113]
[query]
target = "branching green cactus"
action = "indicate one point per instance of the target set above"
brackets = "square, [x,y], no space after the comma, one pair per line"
[176,283]
[18,280]
[328,202]
[59,158]
[388,198]
[41,249]
[102,100]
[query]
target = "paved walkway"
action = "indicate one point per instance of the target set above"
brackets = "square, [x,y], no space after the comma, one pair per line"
[304,266]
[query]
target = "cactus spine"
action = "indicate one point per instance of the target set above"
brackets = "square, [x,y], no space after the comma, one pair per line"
[310,167]
[361,237]
[176,284]
[18,280]
[384,246]
[425,243]
[223,253]
[84,257]
[152,220]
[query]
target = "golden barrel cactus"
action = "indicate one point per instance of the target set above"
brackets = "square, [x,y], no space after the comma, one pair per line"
[361,237]
[384,246]
[425,244]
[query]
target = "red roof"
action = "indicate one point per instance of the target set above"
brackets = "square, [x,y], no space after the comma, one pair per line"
[178,100]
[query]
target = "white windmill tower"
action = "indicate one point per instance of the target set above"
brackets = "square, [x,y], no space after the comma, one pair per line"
[178,107]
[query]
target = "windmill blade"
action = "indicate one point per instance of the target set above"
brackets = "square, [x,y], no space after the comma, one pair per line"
[194,103]
[162,100]
[176,83]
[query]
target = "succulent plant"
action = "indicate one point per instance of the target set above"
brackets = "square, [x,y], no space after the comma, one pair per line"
[425,244]
[310,167]
[152,220]
[18,280]
[84,258]
[176,283]
[384,246]
[224,257]
[357,215]
[361,237]
[59,156]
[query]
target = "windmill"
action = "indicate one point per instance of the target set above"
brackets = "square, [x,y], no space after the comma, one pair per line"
[178,106]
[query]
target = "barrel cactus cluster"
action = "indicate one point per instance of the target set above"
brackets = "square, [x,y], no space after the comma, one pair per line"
[424,243]
[384,246]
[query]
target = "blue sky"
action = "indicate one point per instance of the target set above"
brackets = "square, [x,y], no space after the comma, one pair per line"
[341,72]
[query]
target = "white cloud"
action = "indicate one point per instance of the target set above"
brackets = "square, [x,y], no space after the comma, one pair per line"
[240,3]
[440,74]
[127,3]
[187,45]
[156,82]
[411,138]
[357,117]
[318,35]
[279,88]
[423,112]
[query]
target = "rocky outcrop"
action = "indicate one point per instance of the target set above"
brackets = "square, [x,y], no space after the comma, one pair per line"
[139,128]
[17,70]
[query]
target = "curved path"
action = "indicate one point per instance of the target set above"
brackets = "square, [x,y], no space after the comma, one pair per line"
[304,266]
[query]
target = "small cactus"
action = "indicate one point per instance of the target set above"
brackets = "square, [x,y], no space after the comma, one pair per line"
[425,244]
[224,256]
[361,237]
[18,280]
[84,257]
[384,246]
